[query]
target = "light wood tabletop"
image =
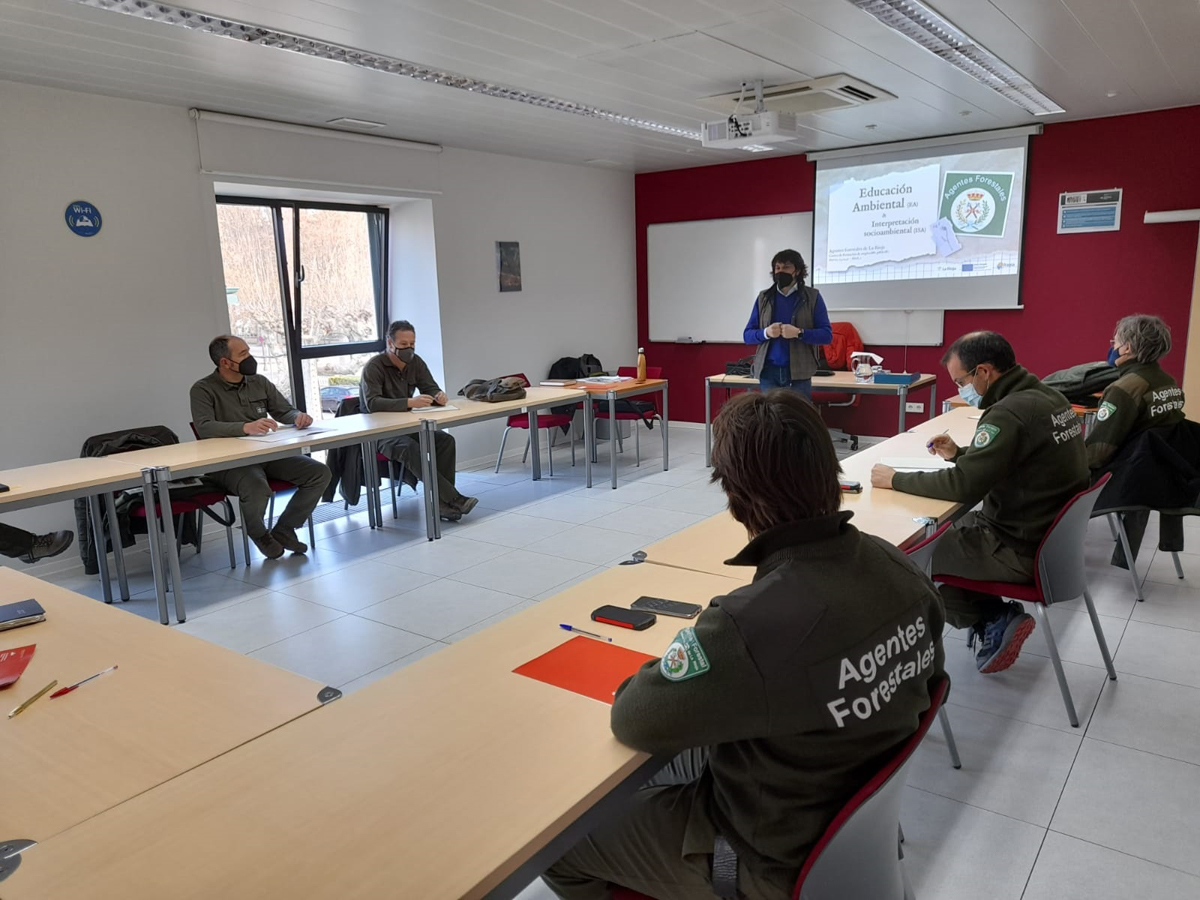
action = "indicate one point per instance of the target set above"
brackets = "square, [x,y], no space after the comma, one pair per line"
[476,410]
[174,703]
[623,387]
[891,515]
[838,381]
[30,485]
[436,782]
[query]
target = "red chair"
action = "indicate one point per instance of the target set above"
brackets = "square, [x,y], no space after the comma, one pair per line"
[195,505]
[631,415]
[547,421]
[858,854]
[1059,575]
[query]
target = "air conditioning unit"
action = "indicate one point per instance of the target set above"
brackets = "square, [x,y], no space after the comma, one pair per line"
[753,128]
[821,95]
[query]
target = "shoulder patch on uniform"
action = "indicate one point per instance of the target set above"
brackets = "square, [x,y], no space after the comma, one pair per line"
[685,658]
[984,435]
[1106,410]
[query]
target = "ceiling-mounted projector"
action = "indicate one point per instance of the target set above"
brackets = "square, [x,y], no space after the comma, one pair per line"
[765,127]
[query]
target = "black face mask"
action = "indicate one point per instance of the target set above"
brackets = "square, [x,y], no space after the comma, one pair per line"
[405,355]
[248,366]
[783,280]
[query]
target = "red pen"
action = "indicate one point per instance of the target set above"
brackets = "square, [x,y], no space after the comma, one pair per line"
[63,691]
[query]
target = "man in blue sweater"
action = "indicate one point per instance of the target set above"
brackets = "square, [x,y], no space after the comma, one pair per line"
[797,326]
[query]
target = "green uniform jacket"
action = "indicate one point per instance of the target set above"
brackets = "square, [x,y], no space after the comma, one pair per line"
[220,409]
[385,388]
[1025,461]
[1143,397]
[800,684]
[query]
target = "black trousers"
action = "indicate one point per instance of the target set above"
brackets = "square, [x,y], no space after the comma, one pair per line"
[15,542]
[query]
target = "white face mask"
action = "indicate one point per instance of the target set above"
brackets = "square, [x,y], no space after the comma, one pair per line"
[972,396]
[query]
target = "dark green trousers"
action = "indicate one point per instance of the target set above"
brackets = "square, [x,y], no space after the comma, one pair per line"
[251,485]
[406,450]
[14,542]
[972,550]
[641,849]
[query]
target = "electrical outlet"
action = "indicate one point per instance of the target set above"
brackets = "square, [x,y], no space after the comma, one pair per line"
[914,407]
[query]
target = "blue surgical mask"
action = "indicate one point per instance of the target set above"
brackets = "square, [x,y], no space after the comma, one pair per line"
[969,394]
[1113,353]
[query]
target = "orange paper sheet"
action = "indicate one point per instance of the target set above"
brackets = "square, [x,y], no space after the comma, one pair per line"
[586,666]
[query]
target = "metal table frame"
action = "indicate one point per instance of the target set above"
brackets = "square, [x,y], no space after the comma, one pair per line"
[589,426]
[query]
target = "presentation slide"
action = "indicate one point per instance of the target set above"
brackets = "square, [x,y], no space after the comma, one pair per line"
[896,224]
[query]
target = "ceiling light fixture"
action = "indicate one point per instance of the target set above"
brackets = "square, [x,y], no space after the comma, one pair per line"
[252,34]
[927,28]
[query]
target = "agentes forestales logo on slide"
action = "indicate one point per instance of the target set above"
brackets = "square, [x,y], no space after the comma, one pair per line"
[976,203]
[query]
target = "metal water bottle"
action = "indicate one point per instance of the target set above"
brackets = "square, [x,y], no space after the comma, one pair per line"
[641,365]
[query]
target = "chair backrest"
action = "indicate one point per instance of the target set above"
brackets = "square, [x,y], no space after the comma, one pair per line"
[348,406]
[1060,572]
[922,553]
[857,856]
[195,430]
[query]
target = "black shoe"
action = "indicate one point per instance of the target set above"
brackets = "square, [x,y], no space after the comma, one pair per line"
[288,540]
[47,545]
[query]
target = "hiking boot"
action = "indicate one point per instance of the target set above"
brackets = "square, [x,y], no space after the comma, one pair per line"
[288,540]
[448,513]
[466,504]
[268,546]
[47,545]
[997,642]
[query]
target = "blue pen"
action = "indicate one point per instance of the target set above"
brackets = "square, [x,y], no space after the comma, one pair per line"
[929,444]
[598,637]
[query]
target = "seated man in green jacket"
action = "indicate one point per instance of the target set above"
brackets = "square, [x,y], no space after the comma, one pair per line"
[784,697]
[233,401]
[1025,462]
[397,381]
[1142,397]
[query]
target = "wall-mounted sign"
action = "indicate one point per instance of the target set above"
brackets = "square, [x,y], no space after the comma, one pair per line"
[1084,211]
[83,218]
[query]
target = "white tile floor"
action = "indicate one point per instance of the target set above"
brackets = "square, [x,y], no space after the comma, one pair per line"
[1039,810]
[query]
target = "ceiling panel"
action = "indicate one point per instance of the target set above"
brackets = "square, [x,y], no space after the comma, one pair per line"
[646,58]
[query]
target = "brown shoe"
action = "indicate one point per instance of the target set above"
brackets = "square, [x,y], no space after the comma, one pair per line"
[287,538]
[268,546]
[448,513]
[466,504]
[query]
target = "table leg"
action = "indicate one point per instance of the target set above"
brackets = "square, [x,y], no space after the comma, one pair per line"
[707,423]
[932,398]
[156,552]
[612,436]
[376,504]
[118,551]
[535,451]
[588,440]
[902,395]
[365,449]
[666,421]
[162,475]
[100,543]
[429,466]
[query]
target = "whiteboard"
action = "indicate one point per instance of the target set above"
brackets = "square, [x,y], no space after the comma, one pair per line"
[703,276]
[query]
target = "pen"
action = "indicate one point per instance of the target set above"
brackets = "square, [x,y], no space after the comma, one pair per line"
[64,691]
[598,637]
[929,445]
[27,703]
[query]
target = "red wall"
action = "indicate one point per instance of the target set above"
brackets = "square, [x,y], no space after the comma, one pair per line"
[1073,287]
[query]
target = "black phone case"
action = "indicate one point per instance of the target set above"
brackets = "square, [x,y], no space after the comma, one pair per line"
[624,618]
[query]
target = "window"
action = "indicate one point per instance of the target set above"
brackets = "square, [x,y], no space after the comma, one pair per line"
[306,285]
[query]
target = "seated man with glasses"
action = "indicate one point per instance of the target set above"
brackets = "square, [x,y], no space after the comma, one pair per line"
[1026,460]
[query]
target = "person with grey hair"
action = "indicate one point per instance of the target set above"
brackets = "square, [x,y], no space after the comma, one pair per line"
[1144,396]
[234,400]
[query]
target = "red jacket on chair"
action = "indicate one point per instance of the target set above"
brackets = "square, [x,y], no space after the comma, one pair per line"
[845,341]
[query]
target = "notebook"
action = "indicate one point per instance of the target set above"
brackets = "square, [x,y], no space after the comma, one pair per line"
[585,666]
[916,463]
[13,663]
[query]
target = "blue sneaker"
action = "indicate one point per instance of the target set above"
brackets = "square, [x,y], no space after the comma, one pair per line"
[999,640]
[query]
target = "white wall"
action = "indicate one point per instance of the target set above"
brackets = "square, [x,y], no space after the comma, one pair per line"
[109,332]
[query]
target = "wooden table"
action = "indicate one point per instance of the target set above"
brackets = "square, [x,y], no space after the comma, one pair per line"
[839,382]
[453,778]
[469,411]
[613,391]
[174,703]
[898,518]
